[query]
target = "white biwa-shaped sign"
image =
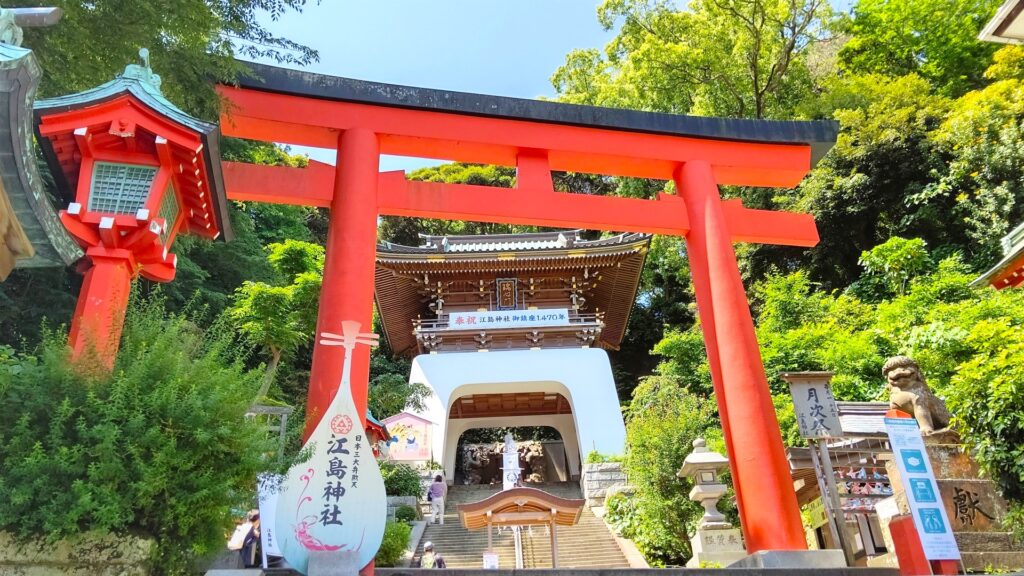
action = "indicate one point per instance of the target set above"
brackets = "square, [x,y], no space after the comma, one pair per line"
[335,501]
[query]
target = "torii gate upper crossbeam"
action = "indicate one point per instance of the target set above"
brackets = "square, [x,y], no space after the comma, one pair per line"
[362,120]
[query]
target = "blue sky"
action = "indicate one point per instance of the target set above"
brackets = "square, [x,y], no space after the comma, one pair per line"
[501,47]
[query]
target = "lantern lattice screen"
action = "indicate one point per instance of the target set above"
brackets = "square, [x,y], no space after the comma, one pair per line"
[120,188]
[169,212]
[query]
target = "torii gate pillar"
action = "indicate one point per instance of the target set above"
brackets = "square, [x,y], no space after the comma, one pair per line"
[766,501]
[347,291]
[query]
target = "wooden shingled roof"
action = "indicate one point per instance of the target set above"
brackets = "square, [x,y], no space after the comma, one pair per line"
[619,259]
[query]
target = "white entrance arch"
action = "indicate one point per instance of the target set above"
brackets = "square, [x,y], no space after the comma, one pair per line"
[582,375]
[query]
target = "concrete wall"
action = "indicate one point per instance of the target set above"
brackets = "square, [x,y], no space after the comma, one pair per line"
[395,502]
[598,478]
[582,375]
[85,555]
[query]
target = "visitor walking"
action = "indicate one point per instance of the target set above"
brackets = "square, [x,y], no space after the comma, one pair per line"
[430,559]
[436,494]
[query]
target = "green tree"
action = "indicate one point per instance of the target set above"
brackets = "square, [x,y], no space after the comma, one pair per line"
[663,420]
[279,318]
[895,262]
[936,39]
[191,42]
[868,188]
[981,141]
[742,58]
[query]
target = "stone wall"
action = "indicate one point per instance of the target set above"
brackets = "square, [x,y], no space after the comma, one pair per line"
[86,555]
[598,478]
[395,502]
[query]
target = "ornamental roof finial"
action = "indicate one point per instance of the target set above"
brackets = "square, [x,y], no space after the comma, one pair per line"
[143,72]
[10,32]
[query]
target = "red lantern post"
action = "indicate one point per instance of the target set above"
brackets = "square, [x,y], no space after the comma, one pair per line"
[137,172]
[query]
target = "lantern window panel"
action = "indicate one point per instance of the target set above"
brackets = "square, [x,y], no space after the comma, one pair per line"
[120,188]
[169,211]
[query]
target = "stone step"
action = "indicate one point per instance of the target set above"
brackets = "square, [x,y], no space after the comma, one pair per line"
[589,544]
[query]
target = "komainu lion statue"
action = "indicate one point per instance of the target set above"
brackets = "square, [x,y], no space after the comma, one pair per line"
[910,393]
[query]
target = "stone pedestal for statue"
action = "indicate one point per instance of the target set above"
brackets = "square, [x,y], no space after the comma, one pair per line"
[716,547]
[973,505]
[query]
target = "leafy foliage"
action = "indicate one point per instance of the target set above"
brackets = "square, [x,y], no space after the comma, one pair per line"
[405,513]
[663,420]
[190,42]
[400,479]
[396,538]
[160,446]
[936,39]
[718,58]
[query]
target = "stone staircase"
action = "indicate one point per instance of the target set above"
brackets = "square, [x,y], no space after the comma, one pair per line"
[589,544]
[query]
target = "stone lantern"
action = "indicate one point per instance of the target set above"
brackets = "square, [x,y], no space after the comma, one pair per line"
[136,172]
[716,541]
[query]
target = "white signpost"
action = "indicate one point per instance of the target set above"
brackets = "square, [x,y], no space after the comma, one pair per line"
[510,470]
[508,319]
[335,501]
[923,496]
[267,486]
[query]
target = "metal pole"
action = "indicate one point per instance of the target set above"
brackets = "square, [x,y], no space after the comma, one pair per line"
[830,497]
[554,543]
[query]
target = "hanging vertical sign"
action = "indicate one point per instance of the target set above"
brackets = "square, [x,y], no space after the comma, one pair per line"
[335,501]
[507,299]
[922,491]
[817,415]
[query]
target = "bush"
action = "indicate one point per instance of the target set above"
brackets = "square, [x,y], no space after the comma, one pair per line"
[401,479]
[405,513]
[622,514]
[595,457]
[396,538]
[663,420]
[159,447]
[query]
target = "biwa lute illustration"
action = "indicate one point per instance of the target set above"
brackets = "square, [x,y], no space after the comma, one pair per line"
[335,501]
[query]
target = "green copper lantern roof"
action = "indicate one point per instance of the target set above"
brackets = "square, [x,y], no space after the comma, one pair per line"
[140,81]
[137,80]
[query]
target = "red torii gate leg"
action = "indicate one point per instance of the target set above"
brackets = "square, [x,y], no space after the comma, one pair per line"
[347,291]
[764,491]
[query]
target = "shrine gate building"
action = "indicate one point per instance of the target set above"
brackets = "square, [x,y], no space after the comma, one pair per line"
[512,330]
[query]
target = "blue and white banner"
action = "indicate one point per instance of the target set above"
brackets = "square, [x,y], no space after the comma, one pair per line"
[923,496]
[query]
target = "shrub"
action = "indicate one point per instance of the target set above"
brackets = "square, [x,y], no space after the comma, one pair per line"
[595,457]
[159,447]
[663,420]
[396,538]
[405,513]
[622,514]
[401,479]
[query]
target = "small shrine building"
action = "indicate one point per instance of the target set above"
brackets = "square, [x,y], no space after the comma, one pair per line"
[512,331]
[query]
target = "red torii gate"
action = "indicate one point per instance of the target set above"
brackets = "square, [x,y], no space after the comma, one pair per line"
[363,120]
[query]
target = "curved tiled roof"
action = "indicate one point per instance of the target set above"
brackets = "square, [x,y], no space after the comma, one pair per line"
[620,259]
[532,241]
